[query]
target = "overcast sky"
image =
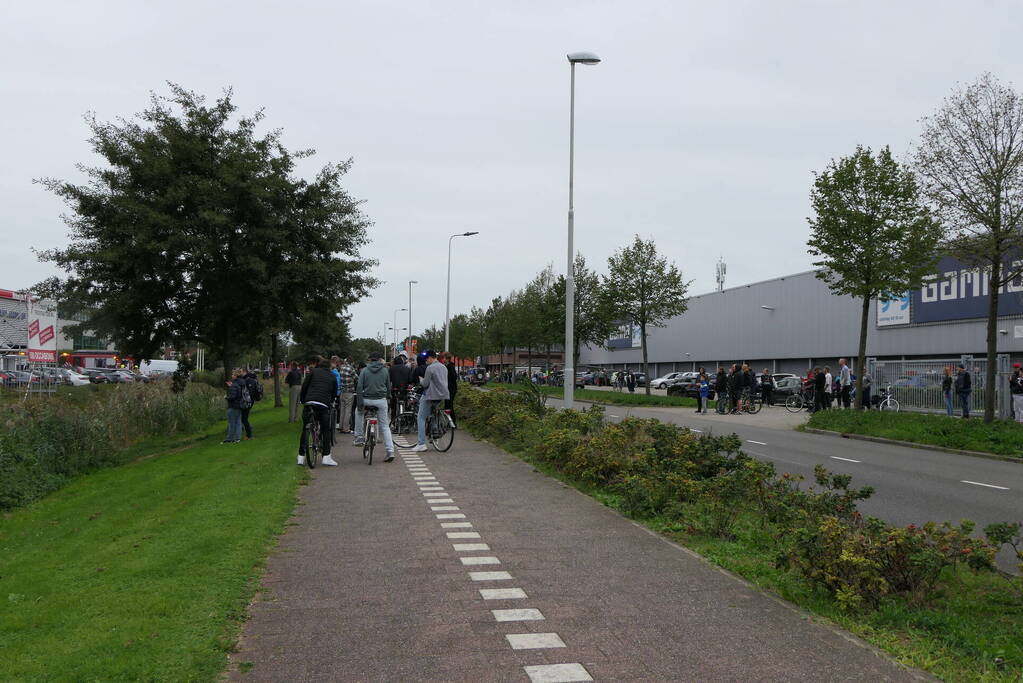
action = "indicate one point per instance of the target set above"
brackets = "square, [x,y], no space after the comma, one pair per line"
[701,128]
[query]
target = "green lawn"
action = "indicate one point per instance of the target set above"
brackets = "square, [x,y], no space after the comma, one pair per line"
[143,572]
[623,398]
[1003,437]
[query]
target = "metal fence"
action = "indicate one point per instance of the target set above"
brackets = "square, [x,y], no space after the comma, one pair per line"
[917,383]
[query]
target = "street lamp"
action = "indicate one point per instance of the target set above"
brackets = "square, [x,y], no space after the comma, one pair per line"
[573,59]
[396,328]
[447,306]
[410,283]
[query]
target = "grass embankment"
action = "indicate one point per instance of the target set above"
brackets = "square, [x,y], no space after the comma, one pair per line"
[144,571]
[1002,437]
[621,398]
[907,590]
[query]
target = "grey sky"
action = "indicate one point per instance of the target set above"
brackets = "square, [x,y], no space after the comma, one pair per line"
[701,128]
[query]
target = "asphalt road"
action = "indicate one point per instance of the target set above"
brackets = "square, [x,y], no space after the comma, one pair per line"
[911,485]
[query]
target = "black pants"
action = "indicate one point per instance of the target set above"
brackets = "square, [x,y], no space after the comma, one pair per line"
[818,400]
[766,391]
[245,422]
[845,396]
[322,415]
[449,405]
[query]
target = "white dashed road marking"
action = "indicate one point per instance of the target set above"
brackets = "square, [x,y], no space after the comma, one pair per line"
[759,443]
[489,576]
[456,525]
[441,500]
[835,457]
[557,673]
[463,534]
[502,593]
[698,431]
[471,561]
[457,515]
[470,547]
[534,641]
[443,508]
[517,614]
[990,486]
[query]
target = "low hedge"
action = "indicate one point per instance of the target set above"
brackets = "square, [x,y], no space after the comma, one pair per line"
[1003,437]
[706,487]
[47,440]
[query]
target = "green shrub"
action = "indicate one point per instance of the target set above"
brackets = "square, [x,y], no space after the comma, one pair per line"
[47,440]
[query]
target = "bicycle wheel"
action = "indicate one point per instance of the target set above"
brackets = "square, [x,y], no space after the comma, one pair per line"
[794,403]
[754,404]
[890,405]
[440,432]
[312,442]
[367,448]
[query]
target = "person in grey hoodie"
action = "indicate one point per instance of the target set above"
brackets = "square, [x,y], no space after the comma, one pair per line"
[373,388]
[435,388]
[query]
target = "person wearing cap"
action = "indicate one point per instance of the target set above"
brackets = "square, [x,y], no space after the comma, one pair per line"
[1016,390]
[373,388]
[963,389]
[435,388]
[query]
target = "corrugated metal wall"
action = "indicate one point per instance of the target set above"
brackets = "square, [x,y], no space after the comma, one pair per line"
[804,321]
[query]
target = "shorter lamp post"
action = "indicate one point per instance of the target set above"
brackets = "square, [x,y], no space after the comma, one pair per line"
[447,306]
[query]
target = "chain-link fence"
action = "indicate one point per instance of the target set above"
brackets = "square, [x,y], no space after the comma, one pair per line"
[916,384]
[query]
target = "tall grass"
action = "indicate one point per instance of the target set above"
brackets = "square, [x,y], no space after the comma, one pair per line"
[45,441]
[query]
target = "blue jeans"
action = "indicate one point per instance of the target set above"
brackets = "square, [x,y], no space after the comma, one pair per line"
[382,422]
[234,424]
[964,399]
[425,409]
[949,407]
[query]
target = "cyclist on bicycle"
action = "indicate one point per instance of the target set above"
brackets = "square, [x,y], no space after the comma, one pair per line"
[401,376]
[372,391]
[435,388]
[318,392]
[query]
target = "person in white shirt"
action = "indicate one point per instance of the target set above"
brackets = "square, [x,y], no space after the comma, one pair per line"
[829,386]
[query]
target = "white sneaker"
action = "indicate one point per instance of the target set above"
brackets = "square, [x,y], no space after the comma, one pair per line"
[421,447]
[359,442]
[301,460]
[328,461]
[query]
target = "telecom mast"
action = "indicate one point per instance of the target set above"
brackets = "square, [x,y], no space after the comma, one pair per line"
[720,274]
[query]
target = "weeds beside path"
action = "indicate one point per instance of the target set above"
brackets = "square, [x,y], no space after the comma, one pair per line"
[621,398]
[143,572]
[1002,437]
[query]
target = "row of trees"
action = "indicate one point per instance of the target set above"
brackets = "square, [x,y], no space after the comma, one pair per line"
[879,226]
[196,230]
[641,288]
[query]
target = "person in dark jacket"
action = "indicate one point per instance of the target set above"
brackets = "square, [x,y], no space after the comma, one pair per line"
[401,377]
[234,407]
[318,391]
[734,389]
[820,383]
[963,388]
[946,391]
[251,382]
[721,388]
[449,404]
[294,382]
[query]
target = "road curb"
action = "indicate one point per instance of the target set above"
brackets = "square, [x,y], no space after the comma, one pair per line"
[911,444]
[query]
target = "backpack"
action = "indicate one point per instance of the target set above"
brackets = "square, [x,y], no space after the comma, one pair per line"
[257,390]
[245,398]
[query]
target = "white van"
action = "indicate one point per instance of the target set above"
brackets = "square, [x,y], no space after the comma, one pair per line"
[158,367]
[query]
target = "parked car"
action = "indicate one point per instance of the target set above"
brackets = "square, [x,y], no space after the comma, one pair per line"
[19,378]
[690,387]
[663,381]
[98,376]
[75,379]
[784,386]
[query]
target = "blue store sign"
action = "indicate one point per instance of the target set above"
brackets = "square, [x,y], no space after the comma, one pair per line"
[961,292]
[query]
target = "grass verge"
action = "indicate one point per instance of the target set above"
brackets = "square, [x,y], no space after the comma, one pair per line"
[144,571]
[621,398]
[1002,437]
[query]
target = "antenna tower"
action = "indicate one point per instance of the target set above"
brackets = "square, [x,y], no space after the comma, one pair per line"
[720,277]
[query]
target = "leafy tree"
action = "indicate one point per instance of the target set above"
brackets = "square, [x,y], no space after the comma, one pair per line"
[644,289]
[873,236]
[970,160]
[197,230]
[594,322]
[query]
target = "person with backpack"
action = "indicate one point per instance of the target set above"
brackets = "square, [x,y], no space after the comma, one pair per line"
[1016,390]
[237,396]
[255,391]
[963,387]
[294,382]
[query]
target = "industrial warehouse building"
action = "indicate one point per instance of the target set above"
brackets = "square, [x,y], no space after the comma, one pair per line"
[792,323]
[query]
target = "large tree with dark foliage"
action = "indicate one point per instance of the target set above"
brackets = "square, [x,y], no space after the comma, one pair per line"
[970,160]
[196,229]
[871,233]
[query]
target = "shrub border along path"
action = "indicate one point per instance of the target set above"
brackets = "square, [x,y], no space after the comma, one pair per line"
[623,398]
[144,571]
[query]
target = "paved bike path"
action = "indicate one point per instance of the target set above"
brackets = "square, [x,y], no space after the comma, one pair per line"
[368,585]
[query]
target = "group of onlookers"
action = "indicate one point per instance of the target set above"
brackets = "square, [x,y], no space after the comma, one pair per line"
[243,391]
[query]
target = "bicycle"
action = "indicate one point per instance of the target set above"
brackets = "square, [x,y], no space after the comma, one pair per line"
[804,399]
[335,420]
[440,428]
[369,433]
[404,419]
[313,437]
[752,402]
[889,402]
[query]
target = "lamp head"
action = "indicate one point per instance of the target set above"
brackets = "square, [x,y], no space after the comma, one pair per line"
[583,58]
[469,234]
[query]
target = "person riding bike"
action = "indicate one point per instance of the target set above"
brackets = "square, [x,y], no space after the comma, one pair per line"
[373,388]
[435,388]
[401,376]
[318,392]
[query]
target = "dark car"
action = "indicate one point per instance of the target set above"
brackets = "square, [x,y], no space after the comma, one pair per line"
[784,387]
[98,376]
[690,388]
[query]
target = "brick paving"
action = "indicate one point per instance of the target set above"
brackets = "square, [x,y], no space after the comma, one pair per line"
[367,585]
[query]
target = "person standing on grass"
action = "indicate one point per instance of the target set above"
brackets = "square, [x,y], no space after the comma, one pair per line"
[1016,389]
[630,382]
[844,382]
[294,382]
[964,387]
[866,391]
[255,394]
[946,390]
[829,386]
[237,393]
[818,389]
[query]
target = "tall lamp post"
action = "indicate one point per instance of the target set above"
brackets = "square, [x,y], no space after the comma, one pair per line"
[447,306]
[569,375]
[396,328]
[410,283]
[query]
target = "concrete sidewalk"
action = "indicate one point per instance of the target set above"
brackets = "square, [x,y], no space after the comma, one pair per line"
[471,566]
